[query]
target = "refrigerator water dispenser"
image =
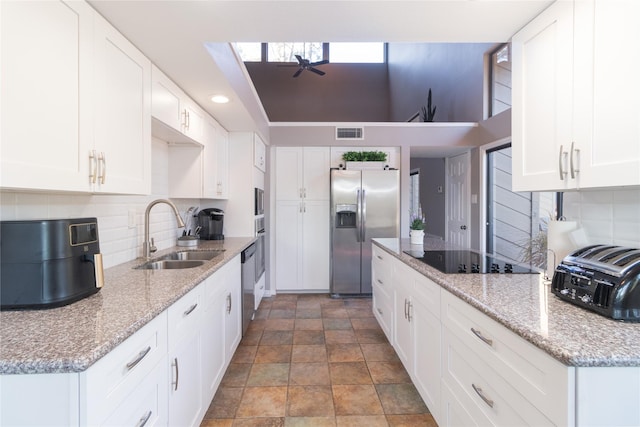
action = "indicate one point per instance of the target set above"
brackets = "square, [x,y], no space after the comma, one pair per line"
[346,216]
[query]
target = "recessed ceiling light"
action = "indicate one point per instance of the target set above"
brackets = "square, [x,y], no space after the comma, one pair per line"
[219,99]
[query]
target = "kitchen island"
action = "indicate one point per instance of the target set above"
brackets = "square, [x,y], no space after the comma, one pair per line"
[507,350]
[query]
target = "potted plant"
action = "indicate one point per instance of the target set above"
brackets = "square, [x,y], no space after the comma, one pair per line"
[364,159]
[416,229]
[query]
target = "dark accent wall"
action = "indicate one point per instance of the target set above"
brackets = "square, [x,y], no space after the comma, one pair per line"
[347,93]
[432,175]
[454,72]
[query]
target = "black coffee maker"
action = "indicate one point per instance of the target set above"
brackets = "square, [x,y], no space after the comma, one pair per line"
[211,221]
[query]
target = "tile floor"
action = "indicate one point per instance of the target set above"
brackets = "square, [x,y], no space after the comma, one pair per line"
[309,360]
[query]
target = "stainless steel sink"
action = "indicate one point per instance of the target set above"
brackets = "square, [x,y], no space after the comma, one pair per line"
[179,260]
[194,255]
[170,264]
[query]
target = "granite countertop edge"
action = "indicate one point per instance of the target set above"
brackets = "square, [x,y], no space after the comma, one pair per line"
[30,361]
[587,357]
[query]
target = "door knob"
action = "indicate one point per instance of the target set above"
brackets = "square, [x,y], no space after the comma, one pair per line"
[463,227]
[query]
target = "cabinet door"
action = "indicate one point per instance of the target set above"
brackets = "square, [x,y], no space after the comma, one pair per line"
[403,325]
[316,176]
[542,107]
[165,100]
[607,105]
[259,153]
[289,173]
[122,113]
[213,350]
[426,373]
[288,240]
[233,311]
[186,171]
[222,153]
[185,394]
[47,128]
[192,120]
[315,245]
[210,160]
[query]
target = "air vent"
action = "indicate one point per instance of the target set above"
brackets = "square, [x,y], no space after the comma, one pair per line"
[349,133]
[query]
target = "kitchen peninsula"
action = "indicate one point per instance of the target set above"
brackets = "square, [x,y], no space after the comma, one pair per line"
[507,351]
[107,358]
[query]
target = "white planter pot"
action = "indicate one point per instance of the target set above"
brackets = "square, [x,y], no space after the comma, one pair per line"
[417,237]
[365,165]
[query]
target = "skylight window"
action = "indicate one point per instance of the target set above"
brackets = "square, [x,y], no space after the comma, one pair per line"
[286,52]
[250,52]
[356,53]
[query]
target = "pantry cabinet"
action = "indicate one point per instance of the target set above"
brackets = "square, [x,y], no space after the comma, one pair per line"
[574,114]
[87,88]
[302,218]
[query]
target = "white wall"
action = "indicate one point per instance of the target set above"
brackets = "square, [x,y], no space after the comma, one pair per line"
[608,216]
[118,242]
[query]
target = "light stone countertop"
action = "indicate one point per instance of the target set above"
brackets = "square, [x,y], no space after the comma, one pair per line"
[524,304]
[73,337]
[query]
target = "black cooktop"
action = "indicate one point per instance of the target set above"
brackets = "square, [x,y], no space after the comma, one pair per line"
[467,261]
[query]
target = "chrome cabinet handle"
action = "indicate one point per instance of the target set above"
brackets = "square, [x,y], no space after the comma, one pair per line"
[563,173]
[380,311]
[482,337]
[405,308]
[380,281]
[138,358]
[304,193]
[102,167]
[409,317]
[229,302]
[379,257]
[93,167]
[480,393]
[190,309]
[574,170]
[175,365]
[145,418]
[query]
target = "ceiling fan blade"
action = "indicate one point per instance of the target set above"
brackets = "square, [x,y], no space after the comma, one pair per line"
[324,61]
[320,73]
[300,60]
[297,73]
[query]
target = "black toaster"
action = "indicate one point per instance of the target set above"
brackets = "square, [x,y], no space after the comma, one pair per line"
[601,278]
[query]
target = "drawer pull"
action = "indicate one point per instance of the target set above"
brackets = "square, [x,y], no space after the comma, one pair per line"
[482,337]
[175,364]
[480,393]
[405,308]
[379,257]
[380,281]
[380,311]
[143,421]
[138,358]
[190,309]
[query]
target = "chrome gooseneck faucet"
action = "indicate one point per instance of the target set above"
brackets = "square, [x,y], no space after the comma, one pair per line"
[148,246]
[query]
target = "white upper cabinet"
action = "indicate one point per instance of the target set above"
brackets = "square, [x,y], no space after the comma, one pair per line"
[177,118]
[47,128]
[122,113]
[302,173]
[575,110]
[75,102]
[259,153]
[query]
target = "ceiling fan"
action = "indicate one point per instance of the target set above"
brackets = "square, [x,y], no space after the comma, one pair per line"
[305,64]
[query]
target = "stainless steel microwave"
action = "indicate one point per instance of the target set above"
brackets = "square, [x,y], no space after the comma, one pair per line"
[259,201]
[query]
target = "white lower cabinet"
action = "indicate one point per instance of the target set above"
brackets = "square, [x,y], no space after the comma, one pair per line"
[165,374]
[486,362]
[381,273]
[185,392]
[417,331]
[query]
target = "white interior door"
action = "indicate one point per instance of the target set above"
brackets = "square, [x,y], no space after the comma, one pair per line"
[457,200]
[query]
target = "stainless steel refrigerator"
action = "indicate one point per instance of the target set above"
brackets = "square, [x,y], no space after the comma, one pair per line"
[364,205]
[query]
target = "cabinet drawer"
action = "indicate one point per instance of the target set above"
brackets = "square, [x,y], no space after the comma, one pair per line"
[383,311]
[106,383]
[382,265]
[146,405]
[183,316]
[540,379]
[482,392]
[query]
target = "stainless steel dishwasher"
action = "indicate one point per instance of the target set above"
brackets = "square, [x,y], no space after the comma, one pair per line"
[248,259]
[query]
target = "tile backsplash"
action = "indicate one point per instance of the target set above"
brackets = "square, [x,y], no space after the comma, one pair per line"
[120,239]
[607,216]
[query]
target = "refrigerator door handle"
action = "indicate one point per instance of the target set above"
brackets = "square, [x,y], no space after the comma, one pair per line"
[364,216]
[358,217]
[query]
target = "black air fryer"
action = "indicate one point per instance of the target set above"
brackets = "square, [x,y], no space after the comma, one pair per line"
[211,220]
[49,263]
